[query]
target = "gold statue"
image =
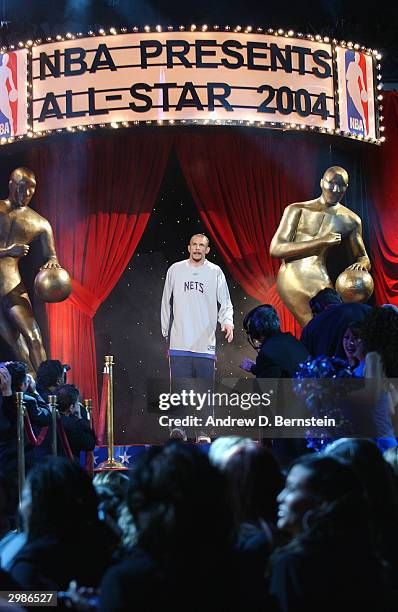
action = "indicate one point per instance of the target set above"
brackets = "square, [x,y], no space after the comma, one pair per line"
[19,226]
[305,234]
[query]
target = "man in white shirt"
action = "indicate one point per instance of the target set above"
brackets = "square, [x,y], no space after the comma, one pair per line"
[193,289]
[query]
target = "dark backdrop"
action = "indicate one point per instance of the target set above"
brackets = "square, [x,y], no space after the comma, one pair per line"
[127,325]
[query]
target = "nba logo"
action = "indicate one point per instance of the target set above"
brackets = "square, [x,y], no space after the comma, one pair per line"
[357,92]
[8,94]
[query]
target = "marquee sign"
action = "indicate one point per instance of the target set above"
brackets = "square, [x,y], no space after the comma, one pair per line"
[283,81]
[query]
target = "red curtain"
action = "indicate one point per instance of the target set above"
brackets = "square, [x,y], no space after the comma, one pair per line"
[382,170]
[241,184]
[98,194]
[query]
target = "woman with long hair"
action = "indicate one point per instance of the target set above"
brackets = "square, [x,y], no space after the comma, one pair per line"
[184,558]
[65,539]
[330,562]
[353,345]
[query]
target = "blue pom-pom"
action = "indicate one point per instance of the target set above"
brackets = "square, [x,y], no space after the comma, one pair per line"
[322,398]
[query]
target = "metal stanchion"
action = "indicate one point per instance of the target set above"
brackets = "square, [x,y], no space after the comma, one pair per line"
[52,404]
[110,464]
[21,442]
[88,404]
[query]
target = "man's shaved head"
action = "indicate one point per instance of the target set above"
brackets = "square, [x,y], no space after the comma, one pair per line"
[201,236]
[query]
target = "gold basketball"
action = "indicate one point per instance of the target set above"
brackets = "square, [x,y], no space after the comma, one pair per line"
[355,286]
[53,285]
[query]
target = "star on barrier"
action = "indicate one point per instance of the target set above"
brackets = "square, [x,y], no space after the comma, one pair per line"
[125,458]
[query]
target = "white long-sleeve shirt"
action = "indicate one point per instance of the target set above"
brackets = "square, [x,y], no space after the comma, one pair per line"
[189,304]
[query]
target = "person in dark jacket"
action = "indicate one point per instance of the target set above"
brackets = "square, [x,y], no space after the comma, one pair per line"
[65,539]
[78,431]
[14,378]
[279,353]
[279,356]
[323,335]
[50,375]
